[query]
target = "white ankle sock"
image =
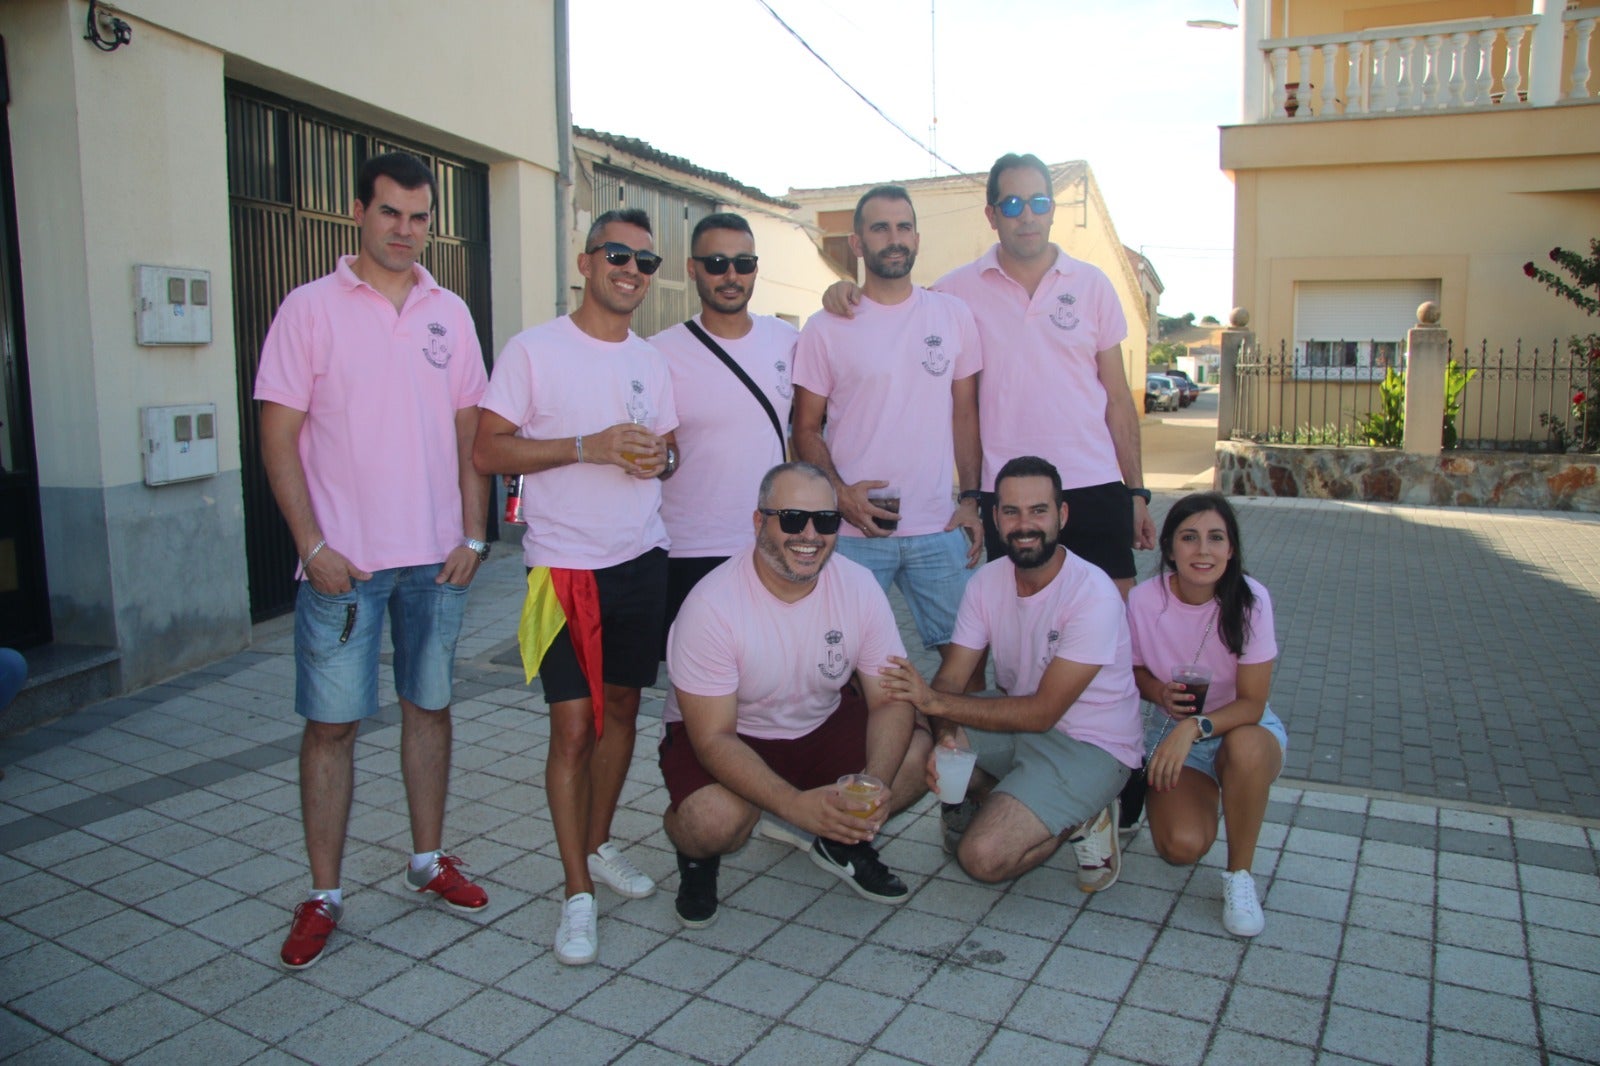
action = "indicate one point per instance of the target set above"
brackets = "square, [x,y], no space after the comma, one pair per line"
[422,860]
[334,896]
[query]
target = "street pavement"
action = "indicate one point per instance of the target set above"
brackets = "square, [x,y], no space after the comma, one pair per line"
[1428,864]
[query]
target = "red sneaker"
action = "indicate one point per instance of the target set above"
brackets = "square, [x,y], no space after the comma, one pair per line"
[450,885]
[314,920]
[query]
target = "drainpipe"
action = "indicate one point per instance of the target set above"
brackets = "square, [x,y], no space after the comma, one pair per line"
[564,149]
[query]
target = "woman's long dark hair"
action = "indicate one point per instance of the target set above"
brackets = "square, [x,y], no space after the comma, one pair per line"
[1234,598]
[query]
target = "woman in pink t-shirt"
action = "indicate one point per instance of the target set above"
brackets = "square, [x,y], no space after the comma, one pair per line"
[1201,610]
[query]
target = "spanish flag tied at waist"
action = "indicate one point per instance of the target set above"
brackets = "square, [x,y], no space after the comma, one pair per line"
[567,598]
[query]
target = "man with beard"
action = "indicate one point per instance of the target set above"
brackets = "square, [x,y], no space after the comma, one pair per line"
[754,721]
[1056,747]
[898,384]
[584,408]
[726,436]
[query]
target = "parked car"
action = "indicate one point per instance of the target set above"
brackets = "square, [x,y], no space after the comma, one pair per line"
[1160,393]
[1188,391]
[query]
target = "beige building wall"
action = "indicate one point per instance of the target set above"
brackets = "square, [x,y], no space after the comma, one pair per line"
[121,159]
[954,231]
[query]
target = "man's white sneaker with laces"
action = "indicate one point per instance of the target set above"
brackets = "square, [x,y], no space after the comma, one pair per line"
[577,940]
[1099,851]
[1241,909]
[610,866]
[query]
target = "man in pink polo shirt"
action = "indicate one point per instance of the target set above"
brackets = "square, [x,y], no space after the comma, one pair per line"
[754,721]
[1053,382]
[369,383]
[583,407]
[727,437]
[1056,748]
[898,384]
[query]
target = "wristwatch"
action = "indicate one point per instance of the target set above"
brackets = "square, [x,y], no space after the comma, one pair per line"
[670,467]
[970,494]
[1207,728]
[1144,494]
[479,546]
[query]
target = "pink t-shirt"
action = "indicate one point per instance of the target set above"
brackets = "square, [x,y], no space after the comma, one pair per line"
[1078,617]
[380,390]
[725,440]
[887,374]
[1167,632]
[554,381]
[1041,393]
[785,661]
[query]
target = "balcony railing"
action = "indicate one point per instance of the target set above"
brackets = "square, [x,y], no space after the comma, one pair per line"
[1474,64]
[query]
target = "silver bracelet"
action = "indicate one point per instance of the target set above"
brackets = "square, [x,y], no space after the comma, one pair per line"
[578,440]
[306,562]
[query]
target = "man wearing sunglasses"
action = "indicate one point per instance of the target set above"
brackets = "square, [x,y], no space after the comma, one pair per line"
[726,435]
[583,407]
[898,384]
[1053,382]
[754,720]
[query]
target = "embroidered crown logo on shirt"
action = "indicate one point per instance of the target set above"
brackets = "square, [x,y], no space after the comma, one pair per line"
[937,362]
[785,386]
[835,664]
[638,406]
[1051,641]
[437,353]
[1064,316]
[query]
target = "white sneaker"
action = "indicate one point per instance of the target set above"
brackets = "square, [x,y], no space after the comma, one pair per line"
[779,831]
[621,876]
[1099,852]
[1241,910]
[577,940]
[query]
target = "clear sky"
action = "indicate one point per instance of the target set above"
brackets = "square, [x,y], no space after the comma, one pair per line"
[1123,84]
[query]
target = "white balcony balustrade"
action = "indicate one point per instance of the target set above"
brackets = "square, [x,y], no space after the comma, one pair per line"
[1536,59]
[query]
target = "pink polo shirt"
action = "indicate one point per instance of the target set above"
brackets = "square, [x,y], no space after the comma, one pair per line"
[1041,393]
[1079,617]
[554,381]
[886,374]
[380,390]
[725,440]
[785,661]
[1168,632]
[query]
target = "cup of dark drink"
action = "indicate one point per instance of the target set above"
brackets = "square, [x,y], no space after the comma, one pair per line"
[1196,680]
[886,498]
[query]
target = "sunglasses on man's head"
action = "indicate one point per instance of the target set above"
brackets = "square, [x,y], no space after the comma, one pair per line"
[792,521]
[618,254]
[719,264]
[1012,206]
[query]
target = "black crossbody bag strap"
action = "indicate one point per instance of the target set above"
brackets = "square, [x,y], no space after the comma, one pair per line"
[738,372]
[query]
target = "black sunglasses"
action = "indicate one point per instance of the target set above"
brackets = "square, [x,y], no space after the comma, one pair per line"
[792,521]
[618,254]
[718,264]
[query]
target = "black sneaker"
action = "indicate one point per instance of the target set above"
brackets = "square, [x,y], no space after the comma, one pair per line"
[697,890]
[955,818]
[858,866]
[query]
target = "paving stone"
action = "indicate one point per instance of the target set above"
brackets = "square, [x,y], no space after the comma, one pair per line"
[1385,951]
[1498,1016]
[1245,1049]
[1174,992]
[1565,914]
[1287,971]
[209,1041]
[922,1034]
[1279,1015]
[762,988]
[567,1042]
[1488,934]
[851,1014]
[1144,1036]
[279,1009]
[1091,973]
[32,968]
[1574,989]
[1482,970]
[76,997]
[1569,1033]
[630,1005]
[1464,1047]
[1375,1037]
[1008,1047]
[492,1022]
[972,993]
[687,966]
[710,1032]
[1062,1016]
[420,994]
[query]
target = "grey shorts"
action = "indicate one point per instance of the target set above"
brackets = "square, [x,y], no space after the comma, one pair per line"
[1063,781]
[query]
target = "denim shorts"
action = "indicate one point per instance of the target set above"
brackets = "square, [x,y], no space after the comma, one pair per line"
[1062,780]
[1203,753]
[930,570]
[336,672]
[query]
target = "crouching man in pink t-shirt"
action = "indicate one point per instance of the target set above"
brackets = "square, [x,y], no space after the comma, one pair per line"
[755,721]
[1055,749]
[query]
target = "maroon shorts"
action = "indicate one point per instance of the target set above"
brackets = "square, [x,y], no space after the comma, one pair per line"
[836,747]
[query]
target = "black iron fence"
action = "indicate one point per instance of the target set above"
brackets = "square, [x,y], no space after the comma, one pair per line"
[1287,396]
[1528,398]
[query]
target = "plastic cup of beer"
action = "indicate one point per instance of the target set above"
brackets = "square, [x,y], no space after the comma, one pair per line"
[953,766]
[1196,680]
[634,457]
[886,498]
[862,794]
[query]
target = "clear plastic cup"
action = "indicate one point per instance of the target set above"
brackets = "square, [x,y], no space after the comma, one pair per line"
[954,769]
[862,794]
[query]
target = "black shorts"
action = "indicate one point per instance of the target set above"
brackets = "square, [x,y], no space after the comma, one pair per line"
[1099,527]
[682,576]
[633,596]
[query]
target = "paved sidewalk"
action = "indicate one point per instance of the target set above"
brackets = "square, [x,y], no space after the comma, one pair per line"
[150,854]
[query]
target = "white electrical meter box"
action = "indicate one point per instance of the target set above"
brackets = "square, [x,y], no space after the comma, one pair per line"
[173,305]
[180,442]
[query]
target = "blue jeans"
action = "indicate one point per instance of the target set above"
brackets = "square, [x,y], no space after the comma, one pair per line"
[337,640]
[930,570]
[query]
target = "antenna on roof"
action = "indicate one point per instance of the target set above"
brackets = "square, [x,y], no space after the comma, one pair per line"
[933,90]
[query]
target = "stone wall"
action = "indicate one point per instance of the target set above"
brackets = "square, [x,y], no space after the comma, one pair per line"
[1388,475]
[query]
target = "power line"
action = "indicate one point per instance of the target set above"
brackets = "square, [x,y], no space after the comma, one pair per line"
[863,96]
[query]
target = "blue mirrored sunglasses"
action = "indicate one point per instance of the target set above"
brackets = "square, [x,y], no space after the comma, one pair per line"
[1011,206]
